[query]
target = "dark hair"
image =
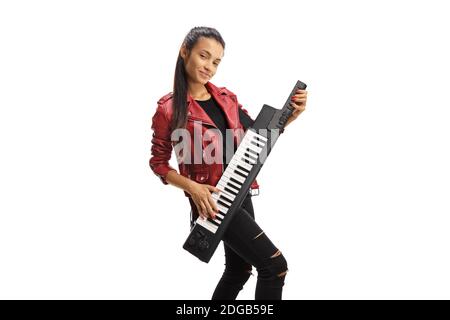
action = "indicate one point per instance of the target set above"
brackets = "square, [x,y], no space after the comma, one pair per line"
[180,84]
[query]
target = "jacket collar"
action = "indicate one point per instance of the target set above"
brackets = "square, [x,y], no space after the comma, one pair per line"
[196,112]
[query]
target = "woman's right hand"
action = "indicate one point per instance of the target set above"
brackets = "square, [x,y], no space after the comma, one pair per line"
[201,195]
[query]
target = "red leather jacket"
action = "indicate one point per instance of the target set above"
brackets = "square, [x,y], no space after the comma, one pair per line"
[162,146]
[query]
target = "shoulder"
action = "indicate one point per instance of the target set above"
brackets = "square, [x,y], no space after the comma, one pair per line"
[226,91]
[228,94]
[221,90]
[163,100]
[164,106]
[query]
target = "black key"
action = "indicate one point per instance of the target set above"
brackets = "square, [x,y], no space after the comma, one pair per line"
[250,150]
[225,198]
[230,191]
[235,181]
[232,186]
[246,160]
[213,222]
[239,173]
[226,205]
[252,157]
[257,144]
[243,169]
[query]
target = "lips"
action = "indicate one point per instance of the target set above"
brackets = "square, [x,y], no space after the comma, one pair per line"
[204,74]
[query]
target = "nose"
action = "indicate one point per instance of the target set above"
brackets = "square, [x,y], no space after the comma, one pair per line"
[209,66]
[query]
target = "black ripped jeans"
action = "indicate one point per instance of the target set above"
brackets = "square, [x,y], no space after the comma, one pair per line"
[246,245]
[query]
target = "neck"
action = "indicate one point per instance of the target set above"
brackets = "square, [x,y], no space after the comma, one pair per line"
[197,90]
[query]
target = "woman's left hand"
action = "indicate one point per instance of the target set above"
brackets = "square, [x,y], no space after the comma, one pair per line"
[299,103]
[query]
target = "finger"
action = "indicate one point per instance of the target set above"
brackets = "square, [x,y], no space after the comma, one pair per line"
[199,210]
[299,104]
[213,205]
[203,210]
[209,210]
[298,96]
[297,107]
[212,188]
[299,99]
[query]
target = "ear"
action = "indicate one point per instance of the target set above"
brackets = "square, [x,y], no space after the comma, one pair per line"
[183,51]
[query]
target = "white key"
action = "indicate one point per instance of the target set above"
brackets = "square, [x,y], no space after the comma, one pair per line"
[231,183]
[207,225]
[231,175]
[220,216]
[245,165]
[222,208]
[227,196]
[226,201]
[232,189]
[215,195]
[255,134]
[239,170]
[242,155]
[254,148]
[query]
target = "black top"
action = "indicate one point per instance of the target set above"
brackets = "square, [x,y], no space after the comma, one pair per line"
[218,116]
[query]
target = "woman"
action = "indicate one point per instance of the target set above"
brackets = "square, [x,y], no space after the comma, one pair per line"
[202,109]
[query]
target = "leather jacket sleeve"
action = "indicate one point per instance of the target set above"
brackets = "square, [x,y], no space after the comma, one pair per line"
[161,149]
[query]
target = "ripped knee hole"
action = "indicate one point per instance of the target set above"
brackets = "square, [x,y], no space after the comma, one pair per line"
[277,254]
[282,274]
[258,235]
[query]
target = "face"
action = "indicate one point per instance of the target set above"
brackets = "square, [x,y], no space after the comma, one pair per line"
[202,62]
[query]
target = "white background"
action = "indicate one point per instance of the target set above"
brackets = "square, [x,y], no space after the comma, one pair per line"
[355,193]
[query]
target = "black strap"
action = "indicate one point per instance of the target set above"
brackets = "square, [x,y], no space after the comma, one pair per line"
[245,119]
